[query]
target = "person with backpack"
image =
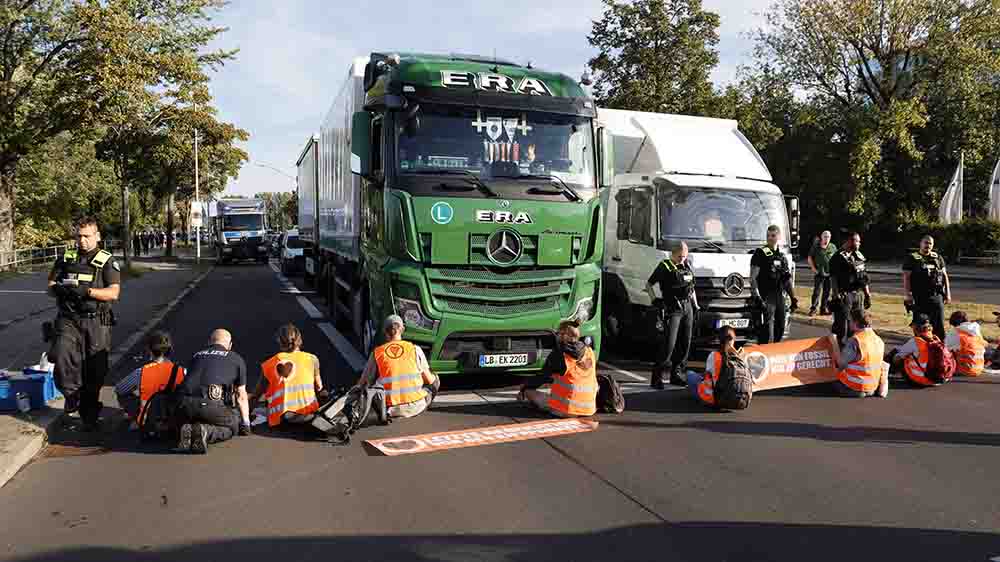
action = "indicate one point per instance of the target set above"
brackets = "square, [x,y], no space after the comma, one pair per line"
[135,391]
[401,369]
[966,342]
[571,369]
[923,358]
[860,361]
[291,381]
[726,375]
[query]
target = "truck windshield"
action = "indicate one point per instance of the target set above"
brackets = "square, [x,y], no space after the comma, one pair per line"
[722,216]
[497,144]
[243,222]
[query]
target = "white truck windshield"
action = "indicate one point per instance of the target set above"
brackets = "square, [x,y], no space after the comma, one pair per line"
[243,222]
[718,215]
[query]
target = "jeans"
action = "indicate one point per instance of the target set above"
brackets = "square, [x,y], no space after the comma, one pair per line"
[821,285]
[694,379]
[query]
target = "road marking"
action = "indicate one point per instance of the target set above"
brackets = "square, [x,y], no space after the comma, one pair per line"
[24,292]
[309,307]
[354,359]
[460,399]
[628,374]
[274,268]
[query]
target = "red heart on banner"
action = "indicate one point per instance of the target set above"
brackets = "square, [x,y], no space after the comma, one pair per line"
[285,369]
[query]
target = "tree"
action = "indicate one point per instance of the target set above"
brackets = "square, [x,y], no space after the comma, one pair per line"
[280,215]
[655,55]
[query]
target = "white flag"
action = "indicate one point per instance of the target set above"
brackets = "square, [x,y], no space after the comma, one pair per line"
[951,205]
[995,193]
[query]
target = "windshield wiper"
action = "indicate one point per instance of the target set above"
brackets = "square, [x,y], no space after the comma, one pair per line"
[716,245]
[566,190]
[473,179]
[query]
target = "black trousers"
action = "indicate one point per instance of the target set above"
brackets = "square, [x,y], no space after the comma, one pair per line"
[933,307]
[854,300]
[821,284]
[221,422]
[677,330]
[772,329]
[80,355]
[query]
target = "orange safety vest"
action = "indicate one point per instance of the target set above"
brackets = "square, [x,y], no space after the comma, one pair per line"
[153,378]
[706,389]
[574,393]
[294,393]
[916,367]
[864,374]
[971,356]
[398,373]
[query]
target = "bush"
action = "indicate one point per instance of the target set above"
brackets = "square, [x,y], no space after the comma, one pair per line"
[892,242]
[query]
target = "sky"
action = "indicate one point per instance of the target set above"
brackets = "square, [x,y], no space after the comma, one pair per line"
[293,55]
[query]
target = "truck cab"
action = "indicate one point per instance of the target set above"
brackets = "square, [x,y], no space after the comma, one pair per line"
[694,180]
[239,228]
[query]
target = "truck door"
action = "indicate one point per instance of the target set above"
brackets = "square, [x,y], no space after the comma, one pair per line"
[639,255]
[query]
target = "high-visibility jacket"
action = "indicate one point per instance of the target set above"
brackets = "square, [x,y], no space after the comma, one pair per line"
[971,352]
[706,389]
[153,378]
[916,367]
[294,393]
[398,373]
[863,375]
[574,393]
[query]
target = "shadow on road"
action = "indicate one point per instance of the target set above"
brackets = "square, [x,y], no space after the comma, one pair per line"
[688,541]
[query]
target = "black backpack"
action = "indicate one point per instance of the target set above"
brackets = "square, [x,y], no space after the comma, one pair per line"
[156,420]
[733,387]
[344,415]
[610,399]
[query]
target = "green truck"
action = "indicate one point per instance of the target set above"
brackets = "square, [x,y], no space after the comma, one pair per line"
[463,194]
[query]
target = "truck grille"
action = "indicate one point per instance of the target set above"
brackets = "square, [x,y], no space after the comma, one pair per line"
[484,292]
[712,295]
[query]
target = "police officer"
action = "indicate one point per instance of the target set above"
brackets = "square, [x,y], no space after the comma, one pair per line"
[770,279]
[216,382]
[925,284]
[849,285]
[679,304]
[84,281]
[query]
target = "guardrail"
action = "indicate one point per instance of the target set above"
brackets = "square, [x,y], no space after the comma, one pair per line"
[29,257]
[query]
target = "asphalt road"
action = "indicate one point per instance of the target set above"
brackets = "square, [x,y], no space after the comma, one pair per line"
[799,476]
[966,290]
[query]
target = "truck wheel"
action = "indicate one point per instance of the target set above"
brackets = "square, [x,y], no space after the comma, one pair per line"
[611,328]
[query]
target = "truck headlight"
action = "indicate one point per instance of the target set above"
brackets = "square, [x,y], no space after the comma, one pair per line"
[584,308]
[413,315]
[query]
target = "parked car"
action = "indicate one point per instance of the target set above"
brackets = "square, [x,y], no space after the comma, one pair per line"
[291,253]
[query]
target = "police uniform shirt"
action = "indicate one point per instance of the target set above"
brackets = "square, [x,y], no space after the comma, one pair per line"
[846,266]
[214,366]
[673,284]
[108,275]
[771,264]
[922,270]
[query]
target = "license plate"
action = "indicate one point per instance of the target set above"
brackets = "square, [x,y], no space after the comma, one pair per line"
[733,323]
[504,360]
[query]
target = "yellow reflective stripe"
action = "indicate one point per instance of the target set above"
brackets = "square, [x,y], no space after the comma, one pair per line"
[401,378]
[860,367]
[70,255]
[85,277]
[576,387]
[572,403]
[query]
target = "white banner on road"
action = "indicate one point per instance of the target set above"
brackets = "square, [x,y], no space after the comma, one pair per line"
[951,205]
[994,213]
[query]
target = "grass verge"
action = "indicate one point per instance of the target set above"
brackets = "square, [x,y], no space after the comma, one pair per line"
[887,312]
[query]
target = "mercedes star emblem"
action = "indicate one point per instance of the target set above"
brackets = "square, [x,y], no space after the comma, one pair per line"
[503,204]
[733,285]
[504,247]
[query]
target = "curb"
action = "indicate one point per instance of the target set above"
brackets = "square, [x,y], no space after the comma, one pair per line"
[986,276]
[26,447]
[824,323]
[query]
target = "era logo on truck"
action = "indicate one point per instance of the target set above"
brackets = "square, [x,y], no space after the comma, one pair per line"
[503,217]
[494,83]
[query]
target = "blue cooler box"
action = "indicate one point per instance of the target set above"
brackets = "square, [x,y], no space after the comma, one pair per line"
[38,385]
[8,398]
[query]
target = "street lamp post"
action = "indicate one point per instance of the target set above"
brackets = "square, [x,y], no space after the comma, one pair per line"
[197,198]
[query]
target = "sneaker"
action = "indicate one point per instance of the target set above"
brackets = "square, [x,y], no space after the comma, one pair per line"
[677,379]
[812,312]
[883,387]
[656,381]
[199,439]
[184,442]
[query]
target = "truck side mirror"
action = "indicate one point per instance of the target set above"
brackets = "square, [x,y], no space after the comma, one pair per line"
[606,157]
[792,204]
[361,144]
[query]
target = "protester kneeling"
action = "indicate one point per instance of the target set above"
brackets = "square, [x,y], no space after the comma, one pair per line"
[860,361]
[291,382]
[571,368]
[924,359]
[136,392]
[967,344]
[726,383]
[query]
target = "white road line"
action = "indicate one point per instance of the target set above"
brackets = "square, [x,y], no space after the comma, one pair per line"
[351,355]
[24,292]
[309,307]
[460,399]
[632,376]
[274,268]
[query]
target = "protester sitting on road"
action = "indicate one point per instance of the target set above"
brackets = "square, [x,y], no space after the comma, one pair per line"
[967,343]
[912,356]
[215,385]
[860,361]
[135,390]
[401,368]
[702,386]
[291,381]
[571,368]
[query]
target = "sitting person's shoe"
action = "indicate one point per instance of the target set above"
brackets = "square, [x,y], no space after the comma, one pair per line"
[199,439]
[184,441]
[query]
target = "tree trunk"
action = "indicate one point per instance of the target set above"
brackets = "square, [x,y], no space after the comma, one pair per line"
[6,219]
[170,224]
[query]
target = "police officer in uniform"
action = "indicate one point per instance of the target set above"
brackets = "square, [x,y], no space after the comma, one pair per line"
[84,281]
[679,304]
[215,385]
[849,285]
[925,284]
[770,279]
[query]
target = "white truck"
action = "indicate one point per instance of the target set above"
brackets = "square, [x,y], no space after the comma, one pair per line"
[691,179]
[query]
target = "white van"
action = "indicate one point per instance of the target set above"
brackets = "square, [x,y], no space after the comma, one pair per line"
[291,252]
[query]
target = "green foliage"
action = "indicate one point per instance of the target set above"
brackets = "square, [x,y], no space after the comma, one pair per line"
[281,213]
[655,55]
